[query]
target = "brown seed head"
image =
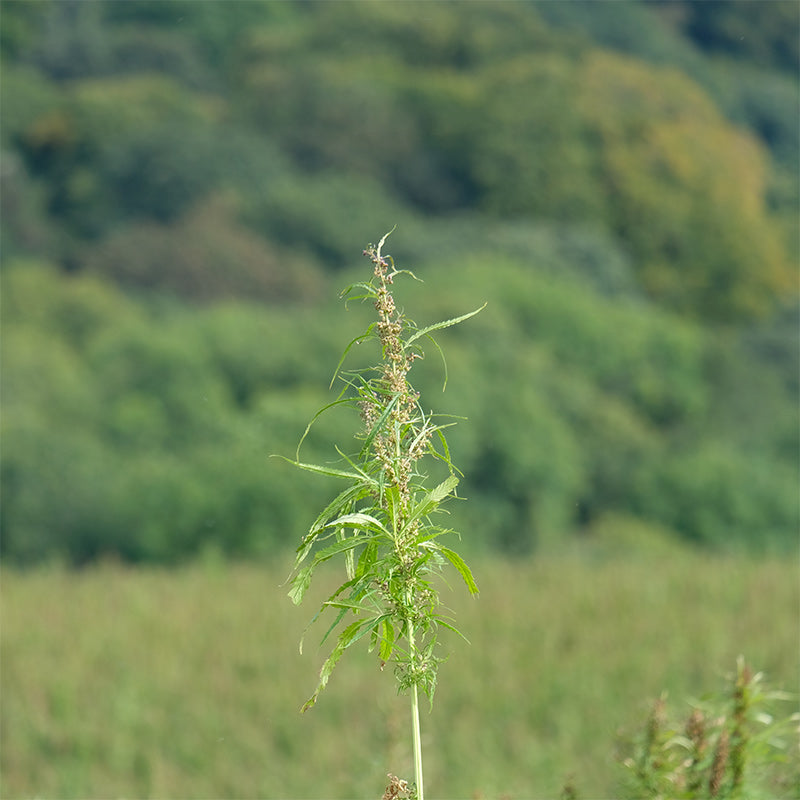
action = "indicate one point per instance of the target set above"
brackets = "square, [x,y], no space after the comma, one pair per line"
[719,765]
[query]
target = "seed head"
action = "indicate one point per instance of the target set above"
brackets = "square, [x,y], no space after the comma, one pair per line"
[719,765]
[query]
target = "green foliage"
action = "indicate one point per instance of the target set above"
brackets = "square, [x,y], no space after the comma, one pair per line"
[132,434]
[620,180]
[160,688]
[622,410]
[674,168]
[506,111]
[207,255]
[722,498]
[728,747]
[763,35]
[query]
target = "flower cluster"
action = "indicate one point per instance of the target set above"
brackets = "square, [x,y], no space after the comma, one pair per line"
[404,437]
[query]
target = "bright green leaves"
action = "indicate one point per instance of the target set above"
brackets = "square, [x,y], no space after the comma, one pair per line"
[458,562]
[300,583]
[347,637]
[445,324]
[383,523]
[386,639]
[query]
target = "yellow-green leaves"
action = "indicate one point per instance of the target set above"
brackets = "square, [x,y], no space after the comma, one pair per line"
[432,499]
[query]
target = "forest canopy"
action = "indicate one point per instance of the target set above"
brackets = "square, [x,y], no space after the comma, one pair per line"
[187,186]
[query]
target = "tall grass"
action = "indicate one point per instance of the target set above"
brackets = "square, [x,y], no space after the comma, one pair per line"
[151,683]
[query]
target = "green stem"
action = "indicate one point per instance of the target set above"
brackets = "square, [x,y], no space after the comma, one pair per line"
[415,724]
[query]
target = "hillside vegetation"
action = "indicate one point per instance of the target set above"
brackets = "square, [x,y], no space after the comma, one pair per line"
[186,187]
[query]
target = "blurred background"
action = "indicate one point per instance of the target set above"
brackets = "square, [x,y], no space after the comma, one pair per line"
[186,187]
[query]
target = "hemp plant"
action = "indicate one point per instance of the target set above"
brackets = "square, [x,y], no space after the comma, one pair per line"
[729,747]
[383,524]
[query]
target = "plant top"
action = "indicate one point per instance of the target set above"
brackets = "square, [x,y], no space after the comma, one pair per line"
[385,523]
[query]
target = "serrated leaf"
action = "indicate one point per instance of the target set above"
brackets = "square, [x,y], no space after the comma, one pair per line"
[358,520]
[444,488]
[387,639]
[347,637]
[445,324]
[458,562]
[345,498]
[432,499]
[335,473]
[334,549]
[300,583]
[367,558]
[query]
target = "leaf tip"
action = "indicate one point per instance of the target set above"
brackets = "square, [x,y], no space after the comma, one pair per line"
[308,704]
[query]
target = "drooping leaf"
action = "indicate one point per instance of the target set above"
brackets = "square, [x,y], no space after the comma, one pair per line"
[445,624]
[366,560]
[359,521]
[345,498]
[340,400]
[350,635]
[341,546]
[345,639]
[300,583]
[357,340]
[458,562]
[387,639]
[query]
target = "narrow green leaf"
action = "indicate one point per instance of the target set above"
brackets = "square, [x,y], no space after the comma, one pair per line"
[451,627]
[387,639]
[432,499]
[300,583]
[335,473]
[340,400]
[342,500]
[355,466]
[446,324]
[359,521]
[349,635]
[445,447]
[458,562]
[367,287]
[338,619]
[366,560]
[441,355]
[377,427]
[337,547]
[343,604]
[358,339]
[345,498]
[384,238]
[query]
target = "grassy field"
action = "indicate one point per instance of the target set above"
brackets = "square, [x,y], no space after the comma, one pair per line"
[187,684]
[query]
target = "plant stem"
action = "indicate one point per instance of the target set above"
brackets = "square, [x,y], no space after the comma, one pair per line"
[417,743]
[415,725]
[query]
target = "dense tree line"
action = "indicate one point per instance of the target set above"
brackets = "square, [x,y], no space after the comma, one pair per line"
[187,185]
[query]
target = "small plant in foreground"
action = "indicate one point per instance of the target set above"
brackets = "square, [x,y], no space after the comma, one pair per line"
[728,747]
[382,524]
